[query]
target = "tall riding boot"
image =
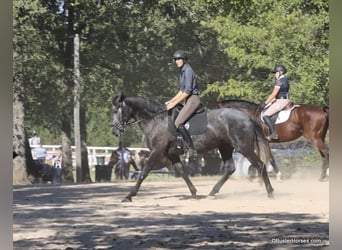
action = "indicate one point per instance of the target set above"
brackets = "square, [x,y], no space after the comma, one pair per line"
[187,138]
[273,135]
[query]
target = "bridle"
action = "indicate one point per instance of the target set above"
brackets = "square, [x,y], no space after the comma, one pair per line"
[123,123]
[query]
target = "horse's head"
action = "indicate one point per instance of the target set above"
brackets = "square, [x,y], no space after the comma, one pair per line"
[120,114]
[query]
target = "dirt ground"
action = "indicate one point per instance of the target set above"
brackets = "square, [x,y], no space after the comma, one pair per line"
[164,216]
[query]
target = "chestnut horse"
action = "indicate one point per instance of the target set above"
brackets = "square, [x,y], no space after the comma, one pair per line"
[307,120]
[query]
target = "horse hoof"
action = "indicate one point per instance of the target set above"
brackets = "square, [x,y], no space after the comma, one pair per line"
[270,195]
[211,197]
[324,179]
[279,179]
[127,199]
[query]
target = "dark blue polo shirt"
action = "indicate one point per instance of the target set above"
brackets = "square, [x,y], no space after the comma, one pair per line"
[284,85]
[187,80]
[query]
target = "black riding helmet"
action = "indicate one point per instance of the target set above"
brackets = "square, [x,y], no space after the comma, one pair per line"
[279,68]
[180,54]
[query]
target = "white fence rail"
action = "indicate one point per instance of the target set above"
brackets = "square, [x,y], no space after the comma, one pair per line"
[93,152]
[241,163]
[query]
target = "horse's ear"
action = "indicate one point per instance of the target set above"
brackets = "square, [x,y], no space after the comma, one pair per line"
[122,97]
[118,99]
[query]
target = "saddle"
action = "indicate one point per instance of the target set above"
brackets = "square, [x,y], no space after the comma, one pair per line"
[196,124]
[283,115]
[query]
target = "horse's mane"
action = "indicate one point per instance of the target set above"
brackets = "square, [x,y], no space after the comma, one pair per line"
[146,106]
[238,102]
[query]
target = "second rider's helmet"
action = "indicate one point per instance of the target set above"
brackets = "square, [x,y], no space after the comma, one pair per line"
[180,54]
[279,68]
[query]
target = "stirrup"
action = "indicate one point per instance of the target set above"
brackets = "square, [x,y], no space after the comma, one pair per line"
[179,143]
[192,155]
[272,137]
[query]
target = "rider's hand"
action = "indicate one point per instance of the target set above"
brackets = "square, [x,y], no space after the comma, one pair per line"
[170,105]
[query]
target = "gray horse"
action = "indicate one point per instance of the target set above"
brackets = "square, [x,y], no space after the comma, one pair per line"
[227,129]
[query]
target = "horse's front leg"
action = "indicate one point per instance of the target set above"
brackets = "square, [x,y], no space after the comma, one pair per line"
[136,188]
[153,160]
[180,169]
[229,169]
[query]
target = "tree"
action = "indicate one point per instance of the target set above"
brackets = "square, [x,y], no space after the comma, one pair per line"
[261,34]
[24,21]
[127,46]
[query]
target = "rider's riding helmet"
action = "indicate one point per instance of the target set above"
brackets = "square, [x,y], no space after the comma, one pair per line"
[180,54]
[279,68]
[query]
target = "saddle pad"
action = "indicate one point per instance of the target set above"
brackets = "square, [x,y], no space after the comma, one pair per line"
[196,125]
[284,115]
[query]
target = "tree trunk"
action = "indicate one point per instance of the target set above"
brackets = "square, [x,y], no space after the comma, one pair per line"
[25,171]
[68,175]
[19,163]
[68,171]
[84,151]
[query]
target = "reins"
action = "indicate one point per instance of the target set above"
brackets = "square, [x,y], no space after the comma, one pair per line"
[143,119]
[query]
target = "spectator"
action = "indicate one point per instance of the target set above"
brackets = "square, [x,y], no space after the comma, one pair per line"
[58,165]
[125,160]
[35,139]
[39,153]
[124,154]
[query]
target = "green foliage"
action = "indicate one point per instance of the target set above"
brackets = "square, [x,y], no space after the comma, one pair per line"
[293,33]
[127,46]
[36,59]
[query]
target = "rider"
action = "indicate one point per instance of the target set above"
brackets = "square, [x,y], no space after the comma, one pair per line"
[277,100]
[188,94]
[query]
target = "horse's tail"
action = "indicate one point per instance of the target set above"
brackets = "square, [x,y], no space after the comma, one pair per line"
[262,146]
[326,125]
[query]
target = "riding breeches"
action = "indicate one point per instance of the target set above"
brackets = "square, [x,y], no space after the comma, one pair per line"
[277,106]
[192,103]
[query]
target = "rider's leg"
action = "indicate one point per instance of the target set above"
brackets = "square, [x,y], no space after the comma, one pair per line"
[270,125]
[188,140]
[275,107]
[189,108]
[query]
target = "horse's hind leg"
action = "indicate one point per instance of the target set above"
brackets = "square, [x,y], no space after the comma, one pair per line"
[275,168]
[252,170]
[324,152]
[252,173]
[262,170]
